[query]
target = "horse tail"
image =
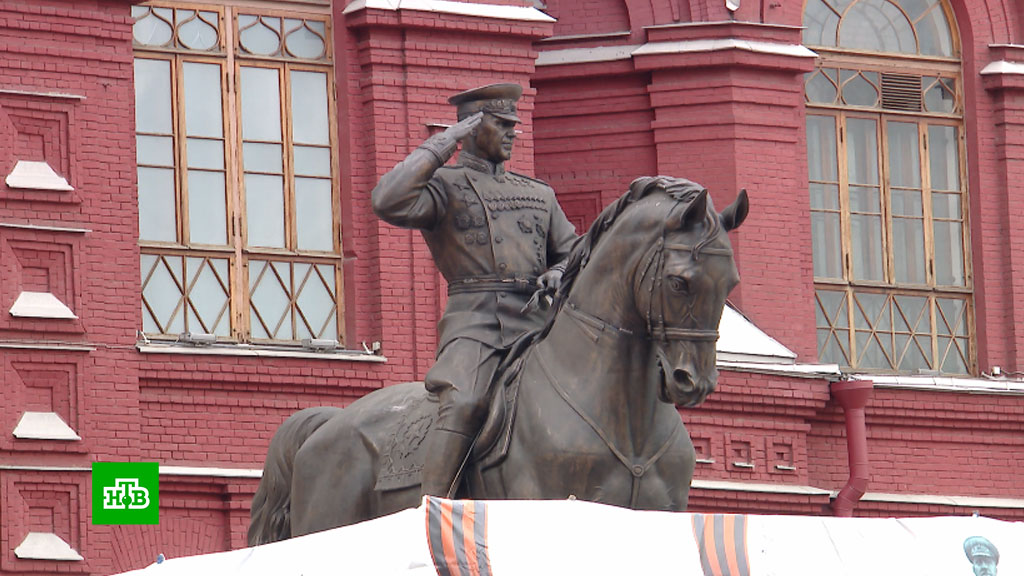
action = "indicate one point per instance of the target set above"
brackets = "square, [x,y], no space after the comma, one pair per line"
[270,518]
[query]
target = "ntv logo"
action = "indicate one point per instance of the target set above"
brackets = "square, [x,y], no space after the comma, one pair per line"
[125,493]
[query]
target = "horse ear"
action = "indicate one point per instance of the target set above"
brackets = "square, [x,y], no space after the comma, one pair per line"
[696,211]
[735,213]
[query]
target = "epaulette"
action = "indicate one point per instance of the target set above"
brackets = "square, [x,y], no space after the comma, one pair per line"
[531,179]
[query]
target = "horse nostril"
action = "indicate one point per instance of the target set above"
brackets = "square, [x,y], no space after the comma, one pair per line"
[682,376]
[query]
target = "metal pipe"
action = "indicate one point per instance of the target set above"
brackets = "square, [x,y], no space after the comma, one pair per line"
[853,396]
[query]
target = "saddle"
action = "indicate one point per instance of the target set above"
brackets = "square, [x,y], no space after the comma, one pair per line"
[401,462]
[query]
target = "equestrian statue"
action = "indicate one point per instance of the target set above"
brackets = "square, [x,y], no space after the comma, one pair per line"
[578,402]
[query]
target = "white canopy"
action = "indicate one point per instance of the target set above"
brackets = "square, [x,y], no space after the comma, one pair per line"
[512,538]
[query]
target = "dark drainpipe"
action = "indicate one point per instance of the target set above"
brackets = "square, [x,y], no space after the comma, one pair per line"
[853,396]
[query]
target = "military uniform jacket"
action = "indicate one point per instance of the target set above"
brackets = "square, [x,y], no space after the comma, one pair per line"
[490,232]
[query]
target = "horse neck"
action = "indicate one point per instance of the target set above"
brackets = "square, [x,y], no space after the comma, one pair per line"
[604,352]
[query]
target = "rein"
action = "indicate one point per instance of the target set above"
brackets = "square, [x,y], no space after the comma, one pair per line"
[656,330]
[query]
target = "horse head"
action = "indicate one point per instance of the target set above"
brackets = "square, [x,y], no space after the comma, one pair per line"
[681,284]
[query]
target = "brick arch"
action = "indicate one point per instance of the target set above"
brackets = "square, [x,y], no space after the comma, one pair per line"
[589,16]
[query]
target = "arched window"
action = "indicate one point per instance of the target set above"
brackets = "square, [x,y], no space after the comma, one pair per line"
[239,229]
[886,171]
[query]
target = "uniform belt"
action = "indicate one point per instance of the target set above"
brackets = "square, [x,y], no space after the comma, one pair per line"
[522,285]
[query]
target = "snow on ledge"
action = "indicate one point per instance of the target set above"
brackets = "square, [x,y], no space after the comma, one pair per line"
[36,176]
[740,340]
[1002,67]
[45,546]
[43,426]
[717,44]
[521,13]
[945,383]
[41,305]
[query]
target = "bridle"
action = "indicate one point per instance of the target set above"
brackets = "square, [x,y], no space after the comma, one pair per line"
[653,265]
[654,260]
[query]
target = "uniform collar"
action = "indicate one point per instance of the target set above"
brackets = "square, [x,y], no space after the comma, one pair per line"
[480,164]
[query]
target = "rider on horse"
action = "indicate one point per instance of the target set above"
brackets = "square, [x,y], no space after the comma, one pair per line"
[496,236]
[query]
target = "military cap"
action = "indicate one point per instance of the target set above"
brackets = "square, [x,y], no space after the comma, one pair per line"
[495,99]
[980,547]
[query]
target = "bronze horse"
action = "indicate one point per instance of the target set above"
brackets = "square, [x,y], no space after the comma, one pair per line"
[631,337]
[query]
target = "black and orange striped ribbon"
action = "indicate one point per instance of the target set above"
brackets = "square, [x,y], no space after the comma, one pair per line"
[457,533]
[722,542]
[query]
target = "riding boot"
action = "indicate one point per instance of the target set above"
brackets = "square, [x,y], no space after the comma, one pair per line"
[445,452]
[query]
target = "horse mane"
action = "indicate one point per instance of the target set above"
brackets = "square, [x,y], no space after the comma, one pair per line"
[683,191]
[679,189]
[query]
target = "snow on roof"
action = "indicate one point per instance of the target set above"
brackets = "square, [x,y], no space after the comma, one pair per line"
[741,341]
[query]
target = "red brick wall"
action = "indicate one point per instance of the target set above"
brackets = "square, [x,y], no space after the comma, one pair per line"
[729,120]
[65,98]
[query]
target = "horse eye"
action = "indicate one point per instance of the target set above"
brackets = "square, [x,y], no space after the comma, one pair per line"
[678,284]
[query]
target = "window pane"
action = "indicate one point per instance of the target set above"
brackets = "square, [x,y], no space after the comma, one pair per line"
[316,302]
[208,296]
[824,196]
[154,29]
[262,158]
[865,199]
[264,201]
[310,124]
[202,100]
[955,352]
[269,286]
[908,250]
[862,151]
[207,208]
[152,96]
[916,354]
[305,40]
[872,311]
[944,157]
[933,34]
[906,203]
[314,217]
[827,247]
[874,351]
[949,256]
[904,163]
[831,313]
[207,154]
[821,148]
[157,217]
[162,293]
[154,150]
[197,33]
[939,94]
[310,161]
[952,319]
[859,90]
[260,35]
[866,236]
[946,206]
[912,311]
[261,104]
[820,24]
[877,25]
[821,87]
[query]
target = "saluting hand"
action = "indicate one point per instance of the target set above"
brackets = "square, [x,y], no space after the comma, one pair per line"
[461,129]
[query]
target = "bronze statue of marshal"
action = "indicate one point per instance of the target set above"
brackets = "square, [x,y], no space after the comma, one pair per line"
[497,237]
